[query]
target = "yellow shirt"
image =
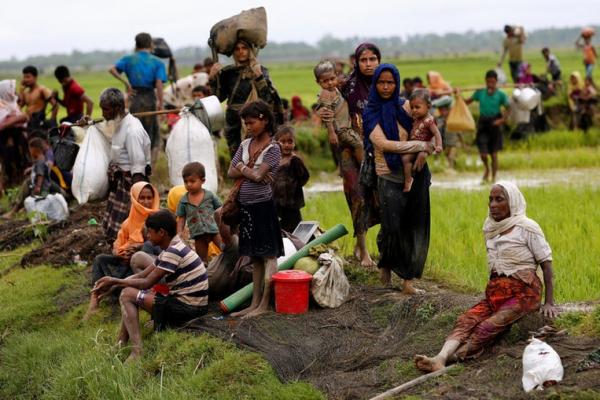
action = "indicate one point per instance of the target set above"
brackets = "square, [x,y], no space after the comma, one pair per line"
[514,45]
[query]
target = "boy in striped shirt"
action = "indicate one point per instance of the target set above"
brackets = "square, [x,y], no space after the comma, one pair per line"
[184,274]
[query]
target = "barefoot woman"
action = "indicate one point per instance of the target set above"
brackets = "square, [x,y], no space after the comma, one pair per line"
[515,247]
[403,240]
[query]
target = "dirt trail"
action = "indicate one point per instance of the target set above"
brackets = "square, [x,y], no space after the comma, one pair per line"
[366,347]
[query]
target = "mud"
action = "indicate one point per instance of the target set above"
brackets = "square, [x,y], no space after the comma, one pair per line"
[366,347]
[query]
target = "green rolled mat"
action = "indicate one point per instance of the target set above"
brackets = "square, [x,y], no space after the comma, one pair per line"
[244,294]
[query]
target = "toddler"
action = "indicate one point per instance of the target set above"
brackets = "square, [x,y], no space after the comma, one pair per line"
[197,208]
[424,129]
[339,128]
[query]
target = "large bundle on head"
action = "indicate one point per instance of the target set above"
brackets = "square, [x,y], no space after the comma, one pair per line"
[249,26]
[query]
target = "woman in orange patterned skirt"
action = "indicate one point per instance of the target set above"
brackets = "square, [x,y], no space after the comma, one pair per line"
[516,246]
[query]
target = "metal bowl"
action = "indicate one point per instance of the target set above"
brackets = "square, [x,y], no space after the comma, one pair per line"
[210,113]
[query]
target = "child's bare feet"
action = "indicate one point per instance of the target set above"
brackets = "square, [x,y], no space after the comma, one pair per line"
[243,312]
[428,364]
[366,260]
[136,354]
[408,184]
[92,308]
[408,288]
[256,312]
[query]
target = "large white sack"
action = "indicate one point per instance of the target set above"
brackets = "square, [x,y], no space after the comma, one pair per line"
[53,206]
[180,93]
[330,287]
[288,250]
[90,178]
[190,141]
[541,363]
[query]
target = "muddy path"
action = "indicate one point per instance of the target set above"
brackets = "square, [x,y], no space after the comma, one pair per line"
[366,347]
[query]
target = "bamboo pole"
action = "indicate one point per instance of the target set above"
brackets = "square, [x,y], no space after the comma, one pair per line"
[412,383]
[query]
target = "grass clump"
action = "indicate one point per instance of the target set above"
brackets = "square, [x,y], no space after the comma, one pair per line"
[580,323]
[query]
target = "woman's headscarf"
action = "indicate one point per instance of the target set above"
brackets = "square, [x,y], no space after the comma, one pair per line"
[524,73]
[356,88]
[573,87]
[298,111]
[437,82]
[518,217]
[387,113]
[8,98]
[175,194]
[134,224]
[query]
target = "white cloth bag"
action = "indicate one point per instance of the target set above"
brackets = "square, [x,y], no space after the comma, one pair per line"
[53,206]
[90,177]
[330,287]
[191,141]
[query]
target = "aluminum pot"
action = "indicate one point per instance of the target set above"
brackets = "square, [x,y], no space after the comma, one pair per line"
[526,98]
[210,113]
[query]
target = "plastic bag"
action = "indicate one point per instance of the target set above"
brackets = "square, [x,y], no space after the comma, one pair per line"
[190,141]
[53,206]
[540,364]
[90,178]
[501,76]
[460,119]
[330,287]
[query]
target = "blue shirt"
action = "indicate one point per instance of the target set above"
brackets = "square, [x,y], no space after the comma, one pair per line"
[142,69]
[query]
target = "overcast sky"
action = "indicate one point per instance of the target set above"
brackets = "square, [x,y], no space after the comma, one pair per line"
[44,27]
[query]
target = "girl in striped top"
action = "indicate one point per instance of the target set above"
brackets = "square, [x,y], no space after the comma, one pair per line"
[259,231]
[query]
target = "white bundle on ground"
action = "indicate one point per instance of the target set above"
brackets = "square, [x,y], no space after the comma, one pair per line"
[190,141]
[330,287]
[53,206]
[90,178]
[540,364]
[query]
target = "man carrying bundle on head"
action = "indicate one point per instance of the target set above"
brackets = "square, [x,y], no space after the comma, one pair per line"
[145,77]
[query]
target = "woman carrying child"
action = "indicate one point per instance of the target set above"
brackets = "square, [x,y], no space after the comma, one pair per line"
[256,162]
[145,200]
[403,240]
[291,176]
[197,208]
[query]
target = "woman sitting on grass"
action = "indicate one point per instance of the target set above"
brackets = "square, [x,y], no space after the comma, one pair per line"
[145,200]
[515,247]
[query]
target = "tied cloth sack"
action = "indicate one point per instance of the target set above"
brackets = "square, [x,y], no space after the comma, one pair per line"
[249,26]
[330,287]
[460,119]
[230,210]
[541,366]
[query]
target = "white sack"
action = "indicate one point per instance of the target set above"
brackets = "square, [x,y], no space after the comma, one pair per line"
[90,178]
[330,287]
[288,250]
[190,141]
[540,364]
[53,206]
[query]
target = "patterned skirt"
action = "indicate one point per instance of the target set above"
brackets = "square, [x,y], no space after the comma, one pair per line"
[119,201]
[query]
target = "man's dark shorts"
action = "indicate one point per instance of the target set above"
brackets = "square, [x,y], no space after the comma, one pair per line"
[489,137]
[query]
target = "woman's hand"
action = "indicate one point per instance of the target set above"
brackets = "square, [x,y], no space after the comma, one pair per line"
[256,68]
[549,310]
[214,70]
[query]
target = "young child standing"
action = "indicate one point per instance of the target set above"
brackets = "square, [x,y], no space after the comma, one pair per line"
[197,208]
[489,132]
[423,129]
[339,129]
[291,176]
[256,162]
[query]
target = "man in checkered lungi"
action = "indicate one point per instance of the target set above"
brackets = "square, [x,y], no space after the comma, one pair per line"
[130,159]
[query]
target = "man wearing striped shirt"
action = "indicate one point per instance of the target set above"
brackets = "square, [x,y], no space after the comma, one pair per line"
[184,274]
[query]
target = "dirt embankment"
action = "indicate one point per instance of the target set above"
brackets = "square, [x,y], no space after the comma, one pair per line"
[366,347]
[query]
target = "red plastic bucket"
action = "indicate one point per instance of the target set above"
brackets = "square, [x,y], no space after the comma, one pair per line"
[291,291]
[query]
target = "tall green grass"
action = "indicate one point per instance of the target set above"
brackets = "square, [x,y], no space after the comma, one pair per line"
[568,216]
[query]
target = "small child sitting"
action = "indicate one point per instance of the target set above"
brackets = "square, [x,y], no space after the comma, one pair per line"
[197,208]
[340,127]
[424,129]
[291,176]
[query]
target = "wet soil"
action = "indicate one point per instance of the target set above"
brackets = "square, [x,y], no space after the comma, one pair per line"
[366,346]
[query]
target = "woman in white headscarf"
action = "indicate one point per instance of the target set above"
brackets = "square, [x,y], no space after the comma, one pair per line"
[516,246]
[13,145]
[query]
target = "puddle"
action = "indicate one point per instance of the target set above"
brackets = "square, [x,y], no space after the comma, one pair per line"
[472,181]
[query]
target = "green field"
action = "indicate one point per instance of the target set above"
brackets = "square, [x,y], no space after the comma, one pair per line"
[296,79]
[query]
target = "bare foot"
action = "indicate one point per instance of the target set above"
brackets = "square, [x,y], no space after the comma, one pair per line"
[8,215]
[356,252]
[366,260]
[486,177]
[256,312]
[408,184]
[92,308]
[243,312]
[385,276]
[428,364]
[408,288]
[135,355]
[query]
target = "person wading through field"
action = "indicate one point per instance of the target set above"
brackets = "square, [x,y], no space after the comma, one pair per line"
[363,202]
[513,45]
[516,246]
[244,81]
[146,75]
[129,159]
[403,240]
